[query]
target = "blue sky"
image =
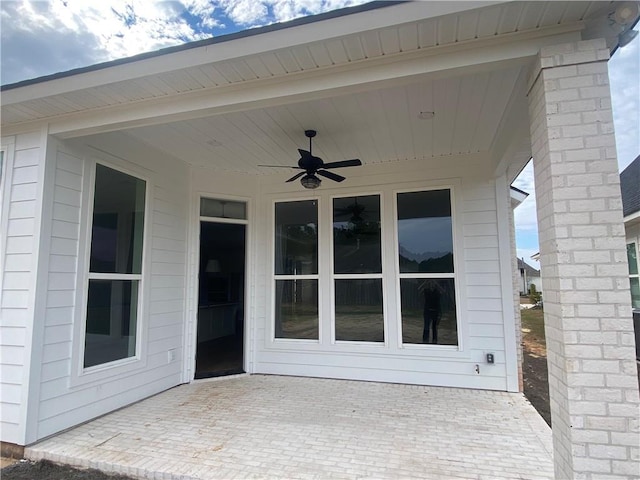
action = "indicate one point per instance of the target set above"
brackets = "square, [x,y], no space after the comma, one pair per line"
[624,75]
[43,37]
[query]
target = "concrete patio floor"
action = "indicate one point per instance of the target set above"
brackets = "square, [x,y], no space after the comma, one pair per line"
[289,427]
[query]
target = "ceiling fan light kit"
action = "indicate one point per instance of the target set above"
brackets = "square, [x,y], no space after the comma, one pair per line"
[312,165]
[310,181]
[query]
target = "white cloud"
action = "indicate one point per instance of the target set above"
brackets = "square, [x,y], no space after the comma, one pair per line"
[44,37]
[40,38]
[525,213]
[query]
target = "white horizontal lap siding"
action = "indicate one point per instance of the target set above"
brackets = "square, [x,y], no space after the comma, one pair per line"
[20,210]
[66,401]
[166,305]
[482,274]
[478,278]
[62,272]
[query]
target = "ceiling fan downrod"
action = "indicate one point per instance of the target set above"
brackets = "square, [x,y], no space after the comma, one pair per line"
[310,134]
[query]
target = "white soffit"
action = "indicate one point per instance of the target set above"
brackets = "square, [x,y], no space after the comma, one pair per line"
[385,32]
[376,126]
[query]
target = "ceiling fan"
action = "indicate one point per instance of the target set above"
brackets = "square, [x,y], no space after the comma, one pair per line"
[313,166]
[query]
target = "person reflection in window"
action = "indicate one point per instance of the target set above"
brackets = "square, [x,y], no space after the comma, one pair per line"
[432,292]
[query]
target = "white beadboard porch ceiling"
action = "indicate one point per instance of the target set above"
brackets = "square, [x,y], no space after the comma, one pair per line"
[375,126]
[423,34]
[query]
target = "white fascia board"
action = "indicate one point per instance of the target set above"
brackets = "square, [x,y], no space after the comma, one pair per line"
[457,59]
[632,219]
[517,197]
[244,46]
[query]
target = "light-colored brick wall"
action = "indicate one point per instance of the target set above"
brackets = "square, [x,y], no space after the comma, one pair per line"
[592,371]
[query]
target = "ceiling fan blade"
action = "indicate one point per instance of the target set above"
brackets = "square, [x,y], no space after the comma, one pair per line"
[279,166]
[343,163]
[296,176]
[330,175]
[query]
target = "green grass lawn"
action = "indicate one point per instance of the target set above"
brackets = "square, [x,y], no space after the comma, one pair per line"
[533,324]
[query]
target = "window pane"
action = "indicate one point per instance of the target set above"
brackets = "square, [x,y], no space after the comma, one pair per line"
[428,311]
[118,221]
[424,232]
[635,292]
[632,258]
[211,207]
[111,321]
[359,315]
[356,234]
[297,309]
[296,239]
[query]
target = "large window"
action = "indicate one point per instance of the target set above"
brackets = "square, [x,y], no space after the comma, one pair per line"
[634,278]
[296,270]
[357,268]
[425,261]
[115,267]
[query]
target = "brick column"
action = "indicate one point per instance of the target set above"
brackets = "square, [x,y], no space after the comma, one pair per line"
[593,381]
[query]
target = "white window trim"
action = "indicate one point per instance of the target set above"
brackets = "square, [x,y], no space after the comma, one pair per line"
[393,341]
[81,376]
[636,243]
[190,332]
[456,275]
[358,276]
[271,337]
[7,148]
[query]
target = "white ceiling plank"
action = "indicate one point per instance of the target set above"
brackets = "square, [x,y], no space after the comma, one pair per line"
[575,11]
[353,47]
[258,67]
[396,115]
[428,33]
[488,21]
[59,102]
[472,94]
[510,17]
[150,87]
[467,25]
[180,81]
[199,76]
[553,13]
[352,138]
[303,57]
[159,85]
[371,44]
[390,41]
[214,74]
[447,30]
[288,61]
[531,16]
[273,64]
[408,36]
[375,125]
[227,71]
[497,96]
[320,54]
[446,94]
[421,98]
[246,73]
[337,52]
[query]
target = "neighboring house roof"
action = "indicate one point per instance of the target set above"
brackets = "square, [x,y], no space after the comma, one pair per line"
[517,196]
[531,272]
[630,188]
